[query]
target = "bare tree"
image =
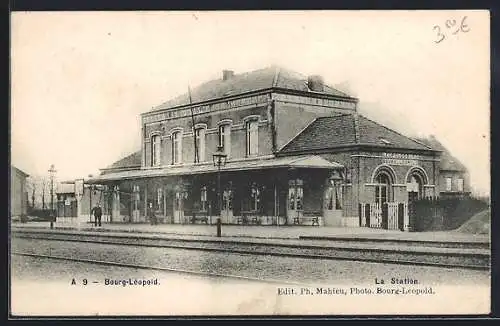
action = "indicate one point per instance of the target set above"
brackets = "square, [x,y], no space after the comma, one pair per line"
[31,187]
[44,182]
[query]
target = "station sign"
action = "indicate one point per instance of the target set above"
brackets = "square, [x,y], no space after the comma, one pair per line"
[401,159]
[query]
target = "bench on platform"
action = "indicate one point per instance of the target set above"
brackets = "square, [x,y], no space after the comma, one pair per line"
[312,216]
[249,217]
[199,216]
[162,219]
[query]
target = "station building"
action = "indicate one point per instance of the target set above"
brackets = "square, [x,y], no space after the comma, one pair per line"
[298,152]
[18,192]
[454,178]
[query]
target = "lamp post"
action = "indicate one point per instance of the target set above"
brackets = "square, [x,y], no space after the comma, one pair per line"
[91,190]
[52,172]
[219,158]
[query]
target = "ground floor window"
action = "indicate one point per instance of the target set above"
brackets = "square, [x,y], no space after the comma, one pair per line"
[333,197]
[382,188]
[179,197]
[448,183]
[136,196]
[203,198]
[329,198]
[255,197]
[415,186]
[227,200]
[295,194]
[159,198]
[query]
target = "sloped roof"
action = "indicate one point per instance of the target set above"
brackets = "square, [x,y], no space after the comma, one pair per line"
[346,130]
[133,160]
[65,188]
[19,171]
[447,162]
[304,161]
[271,77]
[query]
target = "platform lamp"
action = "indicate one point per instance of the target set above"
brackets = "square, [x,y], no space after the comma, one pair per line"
[52,171]
[219,158]
[92,189]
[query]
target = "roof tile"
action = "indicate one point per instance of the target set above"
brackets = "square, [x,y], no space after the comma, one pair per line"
[131,161]
[340,131]
[266,78]
[448,162]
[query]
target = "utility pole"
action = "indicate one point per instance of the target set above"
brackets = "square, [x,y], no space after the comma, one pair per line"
[219,159]
[52,172]
[196,158]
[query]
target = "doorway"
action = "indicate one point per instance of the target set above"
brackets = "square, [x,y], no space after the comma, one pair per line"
[178,207]
[332,205]
[295,202]
[227,206]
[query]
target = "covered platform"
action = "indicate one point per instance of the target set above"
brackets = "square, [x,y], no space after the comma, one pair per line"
[264,191]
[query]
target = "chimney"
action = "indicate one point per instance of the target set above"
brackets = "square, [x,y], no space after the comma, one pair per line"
[315,83]
[227,74]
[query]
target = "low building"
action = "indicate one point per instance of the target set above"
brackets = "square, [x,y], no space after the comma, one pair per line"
[454,179]
[76,199]
[18,193]
[297,152]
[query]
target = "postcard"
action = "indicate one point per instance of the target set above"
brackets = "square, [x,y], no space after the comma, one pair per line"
[250,163]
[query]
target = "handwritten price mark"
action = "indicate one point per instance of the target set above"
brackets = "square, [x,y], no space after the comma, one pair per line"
[449,24]
[463,26]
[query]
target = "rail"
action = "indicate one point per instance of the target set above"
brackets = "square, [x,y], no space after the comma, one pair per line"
[455,259]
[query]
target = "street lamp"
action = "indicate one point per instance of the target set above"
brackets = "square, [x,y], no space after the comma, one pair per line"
[52,172]
[219,158]
[91,189]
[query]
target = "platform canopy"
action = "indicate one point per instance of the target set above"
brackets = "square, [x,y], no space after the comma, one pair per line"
[305,162]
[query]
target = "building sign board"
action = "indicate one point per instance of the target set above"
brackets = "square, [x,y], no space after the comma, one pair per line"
[200,109]
[79,187]
[401,159]
[315,101]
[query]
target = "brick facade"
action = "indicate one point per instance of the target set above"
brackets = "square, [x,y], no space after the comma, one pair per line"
[292,123]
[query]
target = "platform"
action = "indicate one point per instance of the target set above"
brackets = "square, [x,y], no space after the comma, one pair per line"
[270,232]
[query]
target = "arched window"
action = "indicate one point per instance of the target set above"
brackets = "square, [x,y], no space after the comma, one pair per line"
[200,144]
[252,137]
[225,138]
[415,184]
[383,191]
[176,147]
[155,150]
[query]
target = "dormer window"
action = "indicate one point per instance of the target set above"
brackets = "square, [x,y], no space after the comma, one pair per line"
[155,150]
[385,141]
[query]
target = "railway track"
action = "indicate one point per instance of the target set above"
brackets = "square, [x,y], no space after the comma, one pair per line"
[407,256]
[161,269]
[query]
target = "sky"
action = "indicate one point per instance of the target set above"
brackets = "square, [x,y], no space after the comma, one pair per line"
[79,80]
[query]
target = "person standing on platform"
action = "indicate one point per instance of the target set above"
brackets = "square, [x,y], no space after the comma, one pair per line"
[97,214]
[152,215]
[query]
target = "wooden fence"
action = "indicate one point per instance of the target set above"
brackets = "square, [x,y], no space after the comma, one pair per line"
[388,216]
[435,214]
